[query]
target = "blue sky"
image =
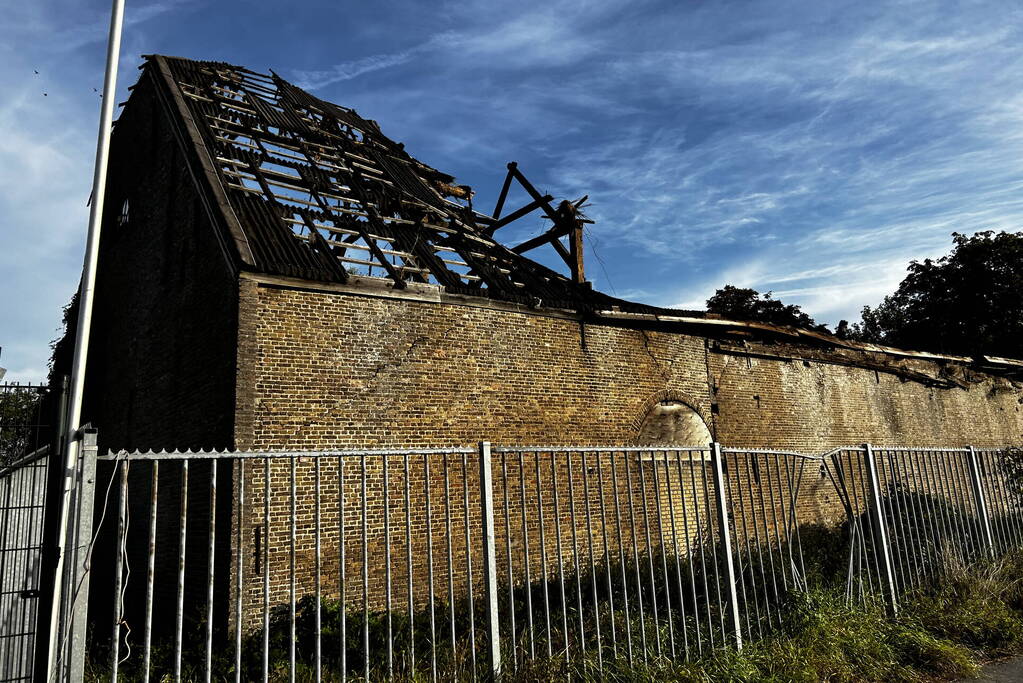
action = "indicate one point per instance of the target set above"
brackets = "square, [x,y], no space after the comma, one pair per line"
[809,148]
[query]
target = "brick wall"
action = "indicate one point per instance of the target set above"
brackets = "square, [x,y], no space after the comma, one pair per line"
[162,354]
[327,370]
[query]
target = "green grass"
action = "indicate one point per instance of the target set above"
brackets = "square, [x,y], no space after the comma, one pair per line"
[942,631]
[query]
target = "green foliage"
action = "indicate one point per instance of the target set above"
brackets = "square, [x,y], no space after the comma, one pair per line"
[967,302]
[19,417]
[740,303]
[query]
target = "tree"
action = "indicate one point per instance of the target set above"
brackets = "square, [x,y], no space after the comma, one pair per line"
[19,423]
[742,303]
[969,302]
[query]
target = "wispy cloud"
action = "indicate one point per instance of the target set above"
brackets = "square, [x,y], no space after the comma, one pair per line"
[811,149]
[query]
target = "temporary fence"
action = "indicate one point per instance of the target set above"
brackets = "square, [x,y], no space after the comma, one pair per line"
[450,562]
[26,431]
[467,562]
[917,513]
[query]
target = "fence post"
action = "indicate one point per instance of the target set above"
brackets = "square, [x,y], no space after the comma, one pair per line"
[79,577]
[489,557]
[981,502]
[880,530]
[726,538]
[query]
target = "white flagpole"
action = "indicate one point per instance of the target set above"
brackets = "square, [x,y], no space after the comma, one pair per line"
[85,299]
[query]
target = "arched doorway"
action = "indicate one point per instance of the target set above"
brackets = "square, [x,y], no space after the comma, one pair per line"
[674,422]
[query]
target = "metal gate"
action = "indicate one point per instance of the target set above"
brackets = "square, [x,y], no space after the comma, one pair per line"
[26,433]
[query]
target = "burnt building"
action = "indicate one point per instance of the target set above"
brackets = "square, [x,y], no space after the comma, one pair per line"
[275,272]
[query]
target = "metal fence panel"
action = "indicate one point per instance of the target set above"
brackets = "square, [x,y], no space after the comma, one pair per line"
[25,442]
[465,562]
[936,510]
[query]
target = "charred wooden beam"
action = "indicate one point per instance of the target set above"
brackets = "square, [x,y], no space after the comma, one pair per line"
[551,236]
[518,213]
[504,190]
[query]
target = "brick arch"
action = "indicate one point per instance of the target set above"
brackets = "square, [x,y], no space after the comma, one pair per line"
[667,396]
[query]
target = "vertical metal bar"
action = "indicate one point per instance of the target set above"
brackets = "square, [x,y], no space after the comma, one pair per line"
[429,564]
[266,570]
[543,554]
[690,555]
[649,556]
[773,477]
[318,567]
[182,538]
[861,501]
[468,563]
[963,509]
[12,530]
[50,661]
[365,574]
[881,531]
[997,481]
[970,521]
[511,570]
[749,548]
[726,539]
[621,555]
[525,556]
[980,502]
[593,569]
[927,504]
[663,551]
[767,535]
[489,558]
[711,517]
[886,500]
[210,567]
[561,562]
[954,489]
[387,566]
[675,550]
[946,529]
[700,544]
[795,521]
[408,571]
[239,572]
[789,516]
[147,636]
[342,583]
[122,507]
[291,570]
[911,504]
[730,501]
[1013,503]
[985,473]
[635,558]
[451,566]
[607,559]
[7,513]
[575,552]
[895,504]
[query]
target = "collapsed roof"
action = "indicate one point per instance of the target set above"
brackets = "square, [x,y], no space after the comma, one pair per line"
[304,188]
[312,190]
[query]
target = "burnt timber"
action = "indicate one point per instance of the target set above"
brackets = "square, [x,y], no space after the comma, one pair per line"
[309,191]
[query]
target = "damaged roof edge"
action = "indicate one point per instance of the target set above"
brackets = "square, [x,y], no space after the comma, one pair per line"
[294,184]
[817,337]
